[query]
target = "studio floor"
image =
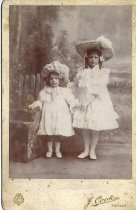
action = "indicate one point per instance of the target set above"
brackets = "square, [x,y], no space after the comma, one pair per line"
[114,162]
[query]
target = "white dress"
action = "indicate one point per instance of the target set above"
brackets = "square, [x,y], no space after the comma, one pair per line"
[97,111]
[56,118]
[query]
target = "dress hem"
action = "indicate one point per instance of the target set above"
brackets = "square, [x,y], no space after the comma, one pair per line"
[97,128]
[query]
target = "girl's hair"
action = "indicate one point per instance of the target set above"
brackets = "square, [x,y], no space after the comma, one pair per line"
[48,77]
[93,51]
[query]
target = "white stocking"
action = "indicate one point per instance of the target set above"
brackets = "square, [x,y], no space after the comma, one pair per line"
[86,138]
[50,145]
[57,146]
[94,141]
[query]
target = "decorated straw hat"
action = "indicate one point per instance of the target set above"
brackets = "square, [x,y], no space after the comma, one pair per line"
[101,44]
[58,67]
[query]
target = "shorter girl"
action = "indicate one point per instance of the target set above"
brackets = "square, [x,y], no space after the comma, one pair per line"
[55,103]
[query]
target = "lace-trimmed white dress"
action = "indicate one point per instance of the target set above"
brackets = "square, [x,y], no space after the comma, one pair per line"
[56,118]
[90,88]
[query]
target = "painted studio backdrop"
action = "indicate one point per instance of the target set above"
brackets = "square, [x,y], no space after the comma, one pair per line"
[42,34]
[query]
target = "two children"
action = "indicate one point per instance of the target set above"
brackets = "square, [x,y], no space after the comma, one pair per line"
[93,110]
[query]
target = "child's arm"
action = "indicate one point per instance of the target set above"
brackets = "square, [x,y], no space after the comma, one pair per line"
[104,80]
[79,97]
[37,103]
[85,100]
[70,99]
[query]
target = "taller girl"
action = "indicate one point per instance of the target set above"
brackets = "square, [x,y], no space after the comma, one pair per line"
[96,112]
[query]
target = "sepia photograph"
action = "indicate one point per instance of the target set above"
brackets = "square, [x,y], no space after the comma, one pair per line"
[70,91]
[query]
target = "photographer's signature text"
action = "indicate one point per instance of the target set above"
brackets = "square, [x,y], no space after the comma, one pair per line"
[92,201]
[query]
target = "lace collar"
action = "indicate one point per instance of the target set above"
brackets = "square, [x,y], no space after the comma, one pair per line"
[94,69]
[50,90]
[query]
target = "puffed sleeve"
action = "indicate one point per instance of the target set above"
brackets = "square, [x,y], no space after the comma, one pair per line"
[41,98]
[41,95]
[74,85]
[104,80]
[79,75]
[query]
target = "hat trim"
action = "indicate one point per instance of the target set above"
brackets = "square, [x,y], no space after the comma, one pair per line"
[106,51]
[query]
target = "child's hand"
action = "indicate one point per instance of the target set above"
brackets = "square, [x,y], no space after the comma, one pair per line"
[33,105]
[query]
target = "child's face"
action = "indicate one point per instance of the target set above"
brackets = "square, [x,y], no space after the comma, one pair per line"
[54,80]
[93,59]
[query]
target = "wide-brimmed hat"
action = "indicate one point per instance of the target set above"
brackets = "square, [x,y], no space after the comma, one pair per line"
[101,44]
[58,67]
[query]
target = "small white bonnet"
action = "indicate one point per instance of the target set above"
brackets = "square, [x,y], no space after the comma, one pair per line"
[58,67]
